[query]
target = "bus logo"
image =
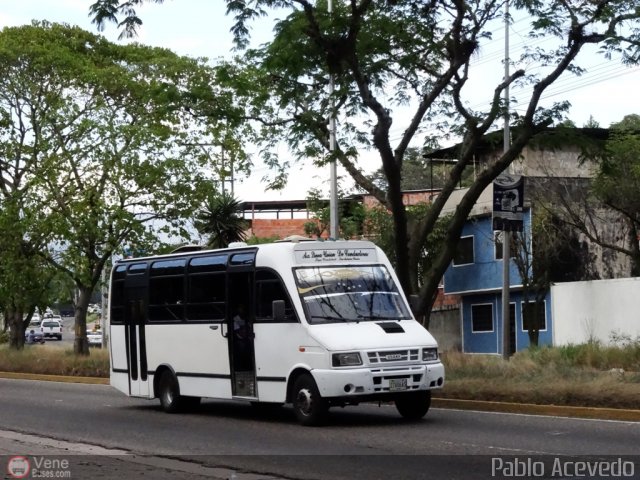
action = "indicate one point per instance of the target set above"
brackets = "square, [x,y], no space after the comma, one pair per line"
[18,467]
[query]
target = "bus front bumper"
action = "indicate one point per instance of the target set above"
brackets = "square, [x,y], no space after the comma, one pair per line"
[359,382]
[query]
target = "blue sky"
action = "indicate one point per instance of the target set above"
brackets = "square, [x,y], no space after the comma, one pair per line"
[200,28]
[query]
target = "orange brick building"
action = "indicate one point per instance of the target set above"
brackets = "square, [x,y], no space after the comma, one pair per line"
[282,218]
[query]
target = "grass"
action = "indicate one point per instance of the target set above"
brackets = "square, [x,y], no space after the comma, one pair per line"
[50,360]
[592,375]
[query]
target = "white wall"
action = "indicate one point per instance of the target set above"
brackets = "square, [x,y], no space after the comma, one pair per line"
[594,309]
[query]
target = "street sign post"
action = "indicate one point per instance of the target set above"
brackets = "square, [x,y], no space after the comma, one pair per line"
[508,203]
[508,216]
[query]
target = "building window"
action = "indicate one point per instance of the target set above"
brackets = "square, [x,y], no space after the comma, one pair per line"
[464,251]
[512,245]
[529,312]
[482,318]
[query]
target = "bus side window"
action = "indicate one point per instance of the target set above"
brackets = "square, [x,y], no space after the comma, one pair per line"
[206,297]
[166,291]
[117,304]
[269,287]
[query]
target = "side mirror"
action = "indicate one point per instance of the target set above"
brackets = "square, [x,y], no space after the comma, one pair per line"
[277,307]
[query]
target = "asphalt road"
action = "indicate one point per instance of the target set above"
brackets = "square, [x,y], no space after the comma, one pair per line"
[235,440]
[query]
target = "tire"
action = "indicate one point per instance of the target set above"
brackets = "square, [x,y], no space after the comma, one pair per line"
[60,337]
[309,407]
[169,393]
[414,405]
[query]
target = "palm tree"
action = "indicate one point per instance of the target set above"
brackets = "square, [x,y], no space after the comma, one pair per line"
[220,219]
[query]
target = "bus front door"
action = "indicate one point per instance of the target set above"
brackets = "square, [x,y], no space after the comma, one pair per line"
[136,343]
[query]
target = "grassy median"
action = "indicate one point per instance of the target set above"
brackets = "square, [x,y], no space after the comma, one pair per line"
[592,375]
[53,360]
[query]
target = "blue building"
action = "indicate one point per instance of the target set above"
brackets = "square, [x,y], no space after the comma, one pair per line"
[476,275]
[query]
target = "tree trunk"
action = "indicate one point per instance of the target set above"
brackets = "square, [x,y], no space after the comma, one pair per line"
[17,327]
[634,239]
[80,345]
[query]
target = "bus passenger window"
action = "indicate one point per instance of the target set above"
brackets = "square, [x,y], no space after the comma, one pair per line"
[206,296]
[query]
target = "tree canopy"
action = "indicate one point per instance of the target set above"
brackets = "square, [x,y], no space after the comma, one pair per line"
[103,146]
[220,218]
[407,61]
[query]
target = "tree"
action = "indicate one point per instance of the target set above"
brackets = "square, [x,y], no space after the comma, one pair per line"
[592,123]
[545,252]
[108,140]
[617,184]
[607,211]
[351,216]
[221,219]
[26,280]
[387,55]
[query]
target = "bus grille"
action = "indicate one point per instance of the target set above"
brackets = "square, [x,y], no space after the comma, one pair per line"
[394,356]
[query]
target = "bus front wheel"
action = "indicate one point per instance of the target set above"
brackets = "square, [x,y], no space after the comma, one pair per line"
[310,408]
[413,405]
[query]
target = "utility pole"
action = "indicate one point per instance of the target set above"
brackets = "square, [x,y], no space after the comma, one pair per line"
[506,234]
[333,199]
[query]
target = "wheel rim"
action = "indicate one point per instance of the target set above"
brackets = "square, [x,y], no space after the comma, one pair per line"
[304,401]
[168,394]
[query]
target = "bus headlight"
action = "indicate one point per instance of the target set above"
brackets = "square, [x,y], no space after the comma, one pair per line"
[429,354]
[348,359]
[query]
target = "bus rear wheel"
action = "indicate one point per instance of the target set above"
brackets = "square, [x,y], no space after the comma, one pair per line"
[413,405]
[310,408]
[169,394]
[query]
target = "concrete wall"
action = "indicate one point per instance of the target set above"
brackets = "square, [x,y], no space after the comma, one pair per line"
[593,310]
[444,325]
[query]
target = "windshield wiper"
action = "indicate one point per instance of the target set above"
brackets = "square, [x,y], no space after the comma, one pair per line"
[333,317]
[382,317]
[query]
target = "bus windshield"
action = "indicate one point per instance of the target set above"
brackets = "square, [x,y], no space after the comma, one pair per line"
[349,294]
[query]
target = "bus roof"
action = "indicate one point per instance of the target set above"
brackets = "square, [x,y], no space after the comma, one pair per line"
[304,252]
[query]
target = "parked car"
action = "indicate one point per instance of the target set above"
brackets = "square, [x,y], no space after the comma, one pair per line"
[33,336]
[51,327]
[94,337]
[94,308]
[35,321]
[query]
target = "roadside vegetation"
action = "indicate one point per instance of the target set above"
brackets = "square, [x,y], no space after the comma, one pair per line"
[592,375]
[53,360]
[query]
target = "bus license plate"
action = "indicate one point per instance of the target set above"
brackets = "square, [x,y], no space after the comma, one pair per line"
[396,384]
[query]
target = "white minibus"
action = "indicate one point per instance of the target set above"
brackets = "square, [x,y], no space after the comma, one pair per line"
[311,323]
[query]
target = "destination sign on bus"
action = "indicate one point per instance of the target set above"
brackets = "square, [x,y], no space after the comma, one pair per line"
[335,255]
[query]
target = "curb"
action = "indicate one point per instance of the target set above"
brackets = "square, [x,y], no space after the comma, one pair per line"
[55,378]
[534,409]
[446,403]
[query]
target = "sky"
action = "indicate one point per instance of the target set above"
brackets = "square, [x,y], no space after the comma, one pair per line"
[200,28]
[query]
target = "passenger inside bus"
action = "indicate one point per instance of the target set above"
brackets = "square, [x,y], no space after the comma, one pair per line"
[241,345]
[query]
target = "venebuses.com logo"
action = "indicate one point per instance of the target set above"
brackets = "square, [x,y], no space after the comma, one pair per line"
[18,466]
[21,466]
